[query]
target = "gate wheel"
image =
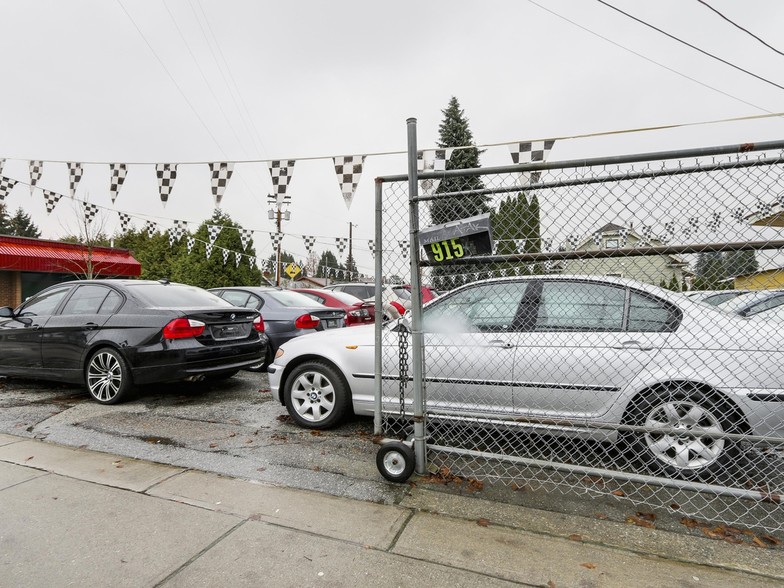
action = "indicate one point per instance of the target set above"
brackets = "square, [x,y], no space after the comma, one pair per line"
[395,461]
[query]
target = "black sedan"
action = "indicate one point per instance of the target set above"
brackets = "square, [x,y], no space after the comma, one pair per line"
[286,314]
[113,334]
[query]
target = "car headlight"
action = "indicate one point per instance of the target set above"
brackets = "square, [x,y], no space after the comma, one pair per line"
[279,353]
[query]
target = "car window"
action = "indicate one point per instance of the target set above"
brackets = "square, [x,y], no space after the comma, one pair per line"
[344,297]
[580,306]
[45,303]
[86,299]
[716,299]
[772,302]
[484,308]
[740,303]
[649,314]
[235,297]
[112,303]
[359,290]
[159,295]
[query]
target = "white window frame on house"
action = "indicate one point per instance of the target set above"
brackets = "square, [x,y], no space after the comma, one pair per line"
[611,243]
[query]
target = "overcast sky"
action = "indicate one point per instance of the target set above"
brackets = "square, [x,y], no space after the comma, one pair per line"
[206,80]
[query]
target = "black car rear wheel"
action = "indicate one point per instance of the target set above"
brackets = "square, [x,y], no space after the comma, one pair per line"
[107,375]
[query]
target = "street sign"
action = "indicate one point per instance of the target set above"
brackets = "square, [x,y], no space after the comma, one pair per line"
[292,270]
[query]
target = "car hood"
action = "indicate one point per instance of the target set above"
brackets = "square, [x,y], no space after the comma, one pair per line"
[361,336]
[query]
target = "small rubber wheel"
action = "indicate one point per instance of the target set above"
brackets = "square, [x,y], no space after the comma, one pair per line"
[395,461]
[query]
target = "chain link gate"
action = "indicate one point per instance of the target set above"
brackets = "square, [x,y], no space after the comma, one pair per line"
[565,357]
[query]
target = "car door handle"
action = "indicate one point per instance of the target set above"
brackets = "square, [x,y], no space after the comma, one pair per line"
[633,345]
[91,326]
[500,343]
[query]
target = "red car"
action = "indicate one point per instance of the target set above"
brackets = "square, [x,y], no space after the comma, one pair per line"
[358,312]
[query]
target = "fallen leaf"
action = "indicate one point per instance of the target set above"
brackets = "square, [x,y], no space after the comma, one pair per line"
[575,537]
[316,433]
[771,539]
[260,469]
[648,516]
[483,522]
[674,506]
[232,434]
[689,523]
[617,493]
[590,566]
[632,520]
[29,458]
[248,440]
[316,468]
[213,445]
[550,584]
[759,542]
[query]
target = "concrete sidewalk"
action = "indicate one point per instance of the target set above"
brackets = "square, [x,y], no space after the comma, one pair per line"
[78,517]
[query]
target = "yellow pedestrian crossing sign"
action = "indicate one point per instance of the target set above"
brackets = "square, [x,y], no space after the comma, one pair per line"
[292,270]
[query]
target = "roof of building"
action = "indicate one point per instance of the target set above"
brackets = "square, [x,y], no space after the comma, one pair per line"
[39,255]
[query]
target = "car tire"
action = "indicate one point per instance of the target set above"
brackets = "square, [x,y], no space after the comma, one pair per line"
[316,396]
[262,365]
[685,455]
[107,376]
[395,461]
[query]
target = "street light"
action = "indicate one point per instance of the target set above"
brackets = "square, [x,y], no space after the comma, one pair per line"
[277,214]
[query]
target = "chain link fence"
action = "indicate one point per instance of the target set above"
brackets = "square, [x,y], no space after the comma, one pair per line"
[575,343]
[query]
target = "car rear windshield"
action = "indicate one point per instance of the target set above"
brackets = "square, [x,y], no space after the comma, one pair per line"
[292,299]
[175,296]
[345,297]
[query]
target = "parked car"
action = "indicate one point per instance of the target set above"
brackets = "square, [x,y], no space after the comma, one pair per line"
[394,305]
[598,352]
[404,293]
[286,315]
[358,312]
[714,297]
[753,303]
[114,334]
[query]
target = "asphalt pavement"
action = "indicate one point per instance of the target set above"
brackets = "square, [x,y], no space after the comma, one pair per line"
[73,516]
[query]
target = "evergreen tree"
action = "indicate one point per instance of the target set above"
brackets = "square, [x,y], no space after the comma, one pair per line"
[199,270]
[326,262]
[23,226]
[5,221]
[740,263]
[455,132]
[156,255]
[710,270]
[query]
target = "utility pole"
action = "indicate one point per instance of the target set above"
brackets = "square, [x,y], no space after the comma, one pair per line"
[277,214]
[350,254]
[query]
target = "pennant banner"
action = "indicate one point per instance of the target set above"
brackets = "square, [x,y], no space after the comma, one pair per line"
[189,243]
[309,242]
[252,260]
[237,258]
[208,249]
[245,236]
[372,247]
[2,163]
[530,152]
[341,242]
[118,171]
[403,247]
[280,172]
[276,239]
[6,185]
[167,174]
[151,228]
[221,174]
[225,253]
[348,169]
[432,160]
[74,177]
[36,171]
[212,232]
[50,199]
[125,220]
[90,210]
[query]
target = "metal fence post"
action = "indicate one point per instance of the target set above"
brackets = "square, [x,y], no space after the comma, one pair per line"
[416,304]
[379,268]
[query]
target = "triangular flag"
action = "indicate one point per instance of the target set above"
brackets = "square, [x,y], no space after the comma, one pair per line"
[74,177]
[117,172]
[36,171]
[348,169]
[167,174]
[221,174]
[50,199]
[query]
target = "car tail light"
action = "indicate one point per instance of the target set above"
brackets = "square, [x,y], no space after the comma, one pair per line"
[258,324]
[307,321]
[183,328]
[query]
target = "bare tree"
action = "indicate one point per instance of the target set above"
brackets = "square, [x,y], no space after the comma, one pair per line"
[90,233]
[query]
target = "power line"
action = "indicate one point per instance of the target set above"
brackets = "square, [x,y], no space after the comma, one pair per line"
[648,59]
[733,23]
[679,40]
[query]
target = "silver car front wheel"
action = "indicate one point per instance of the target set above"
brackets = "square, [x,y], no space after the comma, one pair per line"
[316,396]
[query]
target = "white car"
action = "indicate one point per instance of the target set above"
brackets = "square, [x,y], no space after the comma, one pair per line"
[591,352]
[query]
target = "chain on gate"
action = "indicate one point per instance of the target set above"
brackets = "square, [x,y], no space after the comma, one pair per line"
[403,359]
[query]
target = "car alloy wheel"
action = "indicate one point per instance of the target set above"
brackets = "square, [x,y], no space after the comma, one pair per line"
[316,396]
[108,379]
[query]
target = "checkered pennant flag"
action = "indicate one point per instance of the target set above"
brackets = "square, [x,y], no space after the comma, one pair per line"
[167,174]
[151,228]
[597,239]
[547,244]
[117,172]
[237,258]
[208,249]
[623,237]
[691,227]
[6,185]
[90,210]
[669,232]
[403,247]
[348,169]
[36,171]
[212,232]
[276,238]
[432,160]
[252,260]
[309,242]
[50,199]
[221,174]
[177,231]
[341,242]
[738,215]
[372,247]
[646,232]
[714,223]
[764,208]
[280,172]
[189,243]
[245,236]
[225,253]
[530,152]
[74,177]
[573,240]
[125,220]
[2,163]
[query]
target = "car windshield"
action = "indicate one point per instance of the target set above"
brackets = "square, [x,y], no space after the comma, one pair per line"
[742,301]
[721,297]
[174,296]
[290,299]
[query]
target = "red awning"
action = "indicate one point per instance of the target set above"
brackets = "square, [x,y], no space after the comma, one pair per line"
[36,255]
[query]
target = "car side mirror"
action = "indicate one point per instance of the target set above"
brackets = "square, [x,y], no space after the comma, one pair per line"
[6,312]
